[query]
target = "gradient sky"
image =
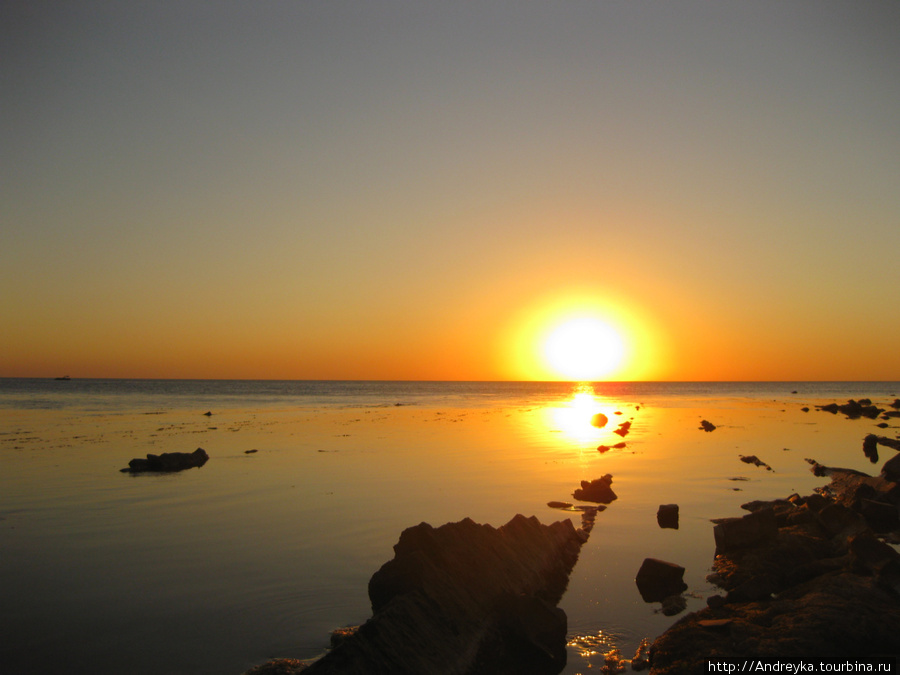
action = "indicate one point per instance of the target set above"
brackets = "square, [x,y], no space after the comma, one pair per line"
[415,190]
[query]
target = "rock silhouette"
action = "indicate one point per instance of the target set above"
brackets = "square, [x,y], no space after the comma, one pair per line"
[807,577]
[168,462]
[466,598]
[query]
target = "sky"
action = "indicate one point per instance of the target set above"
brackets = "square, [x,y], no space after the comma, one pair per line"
[423,190]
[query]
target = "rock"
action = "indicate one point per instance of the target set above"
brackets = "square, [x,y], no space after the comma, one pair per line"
[820,585]
[672,605]
[870,448]
[623,429]
[169,462]
[465,598]
[250,452]
[208,413]
[641,660]
[559,505]
[599,420]
[735,533]
[340,634]
[891,469]
[667,516]
[657,580]
[279,667]
[707,426]
[753,459]
[854,409]
[598,490]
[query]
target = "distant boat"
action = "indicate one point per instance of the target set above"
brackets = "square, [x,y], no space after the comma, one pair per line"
[64,377]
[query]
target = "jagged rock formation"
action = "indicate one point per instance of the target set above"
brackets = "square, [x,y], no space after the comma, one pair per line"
[804,578]
[466,598]
[168,462]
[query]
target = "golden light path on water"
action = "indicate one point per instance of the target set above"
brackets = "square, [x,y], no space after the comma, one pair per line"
[574,417]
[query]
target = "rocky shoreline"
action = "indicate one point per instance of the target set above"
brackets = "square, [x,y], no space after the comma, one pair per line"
[804,577]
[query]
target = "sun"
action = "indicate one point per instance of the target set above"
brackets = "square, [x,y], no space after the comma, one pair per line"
[584,348]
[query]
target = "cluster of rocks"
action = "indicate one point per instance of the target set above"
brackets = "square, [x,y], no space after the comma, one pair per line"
[462,598]
[856,409]
[808,577]
[168,462]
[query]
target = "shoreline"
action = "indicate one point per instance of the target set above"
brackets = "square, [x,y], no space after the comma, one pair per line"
[790,569]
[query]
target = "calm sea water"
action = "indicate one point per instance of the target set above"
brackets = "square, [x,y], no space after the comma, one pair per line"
[102,395]
[261,554]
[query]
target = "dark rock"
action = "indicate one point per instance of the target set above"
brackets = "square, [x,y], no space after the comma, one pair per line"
[870,448]
[598,490]
[837,616]
[881,516]
[672,605]
[753,459]
[667,516]
[599,420]
[250,452]
[465,598]
[279,667]
[753,590]
[896,403]
[559,505]
[890,470]
[623,429]
[208,413]
[657,580]
[804,409]
[169,462]
[641,660]
[707,426]
[854,409]
[340,634]
[734,533]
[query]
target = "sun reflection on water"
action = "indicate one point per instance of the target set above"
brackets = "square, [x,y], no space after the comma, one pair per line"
[574,417]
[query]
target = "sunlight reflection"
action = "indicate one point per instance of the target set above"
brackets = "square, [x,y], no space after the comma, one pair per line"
[574,417]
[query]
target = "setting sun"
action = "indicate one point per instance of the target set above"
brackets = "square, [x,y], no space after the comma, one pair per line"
[584,336]
[584,348]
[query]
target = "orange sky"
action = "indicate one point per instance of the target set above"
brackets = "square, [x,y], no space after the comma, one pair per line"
[380,191]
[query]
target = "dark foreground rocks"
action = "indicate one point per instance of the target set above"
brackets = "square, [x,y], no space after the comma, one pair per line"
[465,598]
[168,462]
[802,578]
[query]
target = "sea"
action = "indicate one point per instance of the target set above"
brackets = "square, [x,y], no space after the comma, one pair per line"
[266,549]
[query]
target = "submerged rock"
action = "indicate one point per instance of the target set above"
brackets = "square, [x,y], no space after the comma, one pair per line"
[707,425]
[466,598]
[168,462]
[753,459]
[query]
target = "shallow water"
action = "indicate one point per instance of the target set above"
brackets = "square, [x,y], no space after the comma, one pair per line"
[261,555]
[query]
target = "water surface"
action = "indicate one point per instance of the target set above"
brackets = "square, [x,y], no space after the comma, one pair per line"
[261,555]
